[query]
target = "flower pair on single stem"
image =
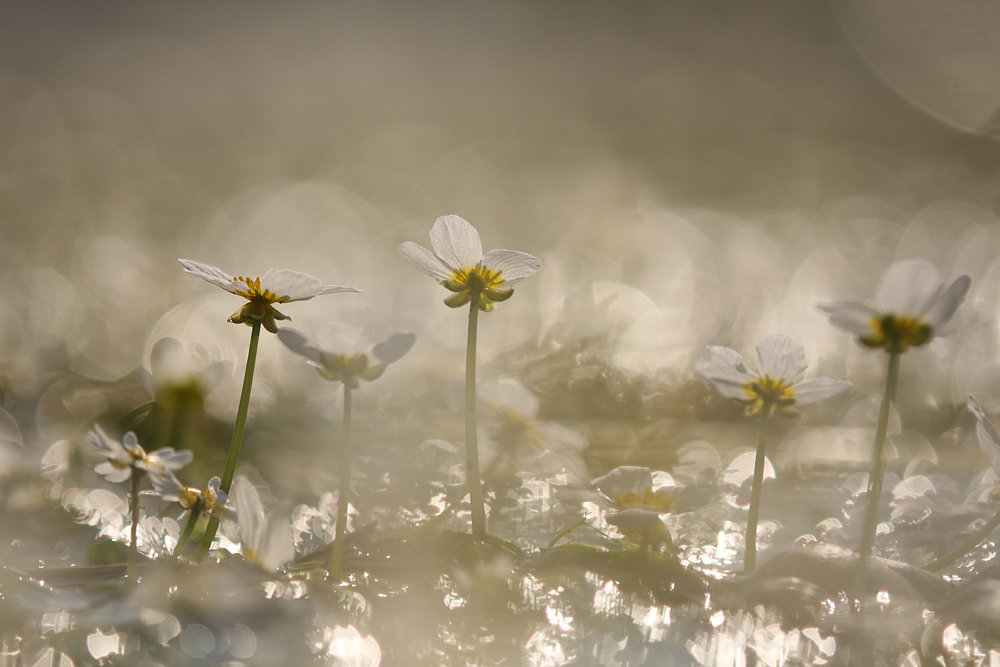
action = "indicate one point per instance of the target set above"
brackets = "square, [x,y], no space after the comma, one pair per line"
[480,281]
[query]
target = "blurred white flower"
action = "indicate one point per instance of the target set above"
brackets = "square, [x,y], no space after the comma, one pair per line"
[459,264]
[781,362]
[264,540]
[277,286]
[121,457]
[349,364]
[914,307]
[515,441]
[175,377]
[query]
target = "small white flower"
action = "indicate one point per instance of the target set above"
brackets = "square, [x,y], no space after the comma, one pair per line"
[781,362]
[459,264]
[264,540]
[349,365]
[516,441]
[176,378]
[212,501]
[121,457]
[914,307]
[277,286]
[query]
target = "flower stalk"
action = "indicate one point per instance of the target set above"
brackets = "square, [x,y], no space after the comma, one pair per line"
[131,570]
[471,429]
[344,499]
[750,552]
[877,473]
[189,526]
[237,441]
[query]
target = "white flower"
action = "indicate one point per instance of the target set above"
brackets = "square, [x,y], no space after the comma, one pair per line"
[277,286]
[914,306]
[459,264]
[517,441]
[175,377]
[264,540]
[349,365]
[212,501]
[781,362]
[121,457]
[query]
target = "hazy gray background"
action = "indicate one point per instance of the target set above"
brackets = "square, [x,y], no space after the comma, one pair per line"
[691,172]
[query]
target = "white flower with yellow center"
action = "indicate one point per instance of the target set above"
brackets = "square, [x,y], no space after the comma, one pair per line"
[277,286]
[781,362]
[458,263]
[353,363]
[914,307]
[120,458]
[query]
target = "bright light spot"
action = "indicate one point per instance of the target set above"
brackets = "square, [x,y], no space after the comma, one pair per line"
[101,645]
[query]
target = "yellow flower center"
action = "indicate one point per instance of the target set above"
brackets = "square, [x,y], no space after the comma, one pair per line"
[897,334]
[344,367]
[259,309]
[254,291]
[660,501]
[478,285]
[767,393]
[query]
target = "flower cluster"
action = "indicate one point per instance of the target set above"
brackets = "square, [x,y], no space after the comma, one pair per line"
[121,458]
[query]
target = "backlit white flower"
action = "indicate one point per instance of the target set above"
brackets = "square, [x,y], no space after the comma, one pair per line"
[781,362]
[213,500]
[264,540]
[121,457]
[277,286]
[175,377]
[353,362]
[459,264]
[914,307]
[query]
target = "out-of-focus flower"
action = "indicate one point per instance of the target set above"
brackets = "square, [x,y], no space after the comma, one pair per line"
[781,362]
[277,286]
[459,264]
[176,379]
[349,365]
[264,540]
[914,307]
[517,441]
[121,457]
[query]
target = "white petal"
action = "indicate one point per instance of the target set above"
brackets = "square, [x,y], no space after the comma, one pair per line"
[725,369]
[393,348]
[456,242]
[209,273]
[781,357]
[299,344]
[425,261]
[851,316]
[169,361]
[909,288]
[690,498]
[166,485]
[295,286]
[818,389]
[276,546]
[947,303]
[634,520]
[578,496]
[166,458]
[989,439]
[112,473]
[249,514]
[512,265]
[214,373]
[625,479]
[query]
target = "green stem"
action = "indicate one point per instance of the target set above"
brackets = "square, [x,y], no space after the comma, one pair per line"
[133,547]
[876,476]
[189,525]
[344,497]
[966,546]
[566,531]
[750,552]
[177,426]
[237,441]
[471,436]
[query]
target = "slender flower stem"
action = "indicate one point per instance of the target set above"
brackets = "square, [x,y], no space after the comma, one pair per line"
[133,547]
[177,424]
[750,552]
[876,475]
[237,441]
[966,546]
[189,526]
[473,476]
[344,495]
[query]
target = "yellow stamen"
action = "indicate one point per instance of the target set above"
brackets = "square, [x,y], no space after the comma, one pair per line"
[766,393]
[660,501]
[897,334]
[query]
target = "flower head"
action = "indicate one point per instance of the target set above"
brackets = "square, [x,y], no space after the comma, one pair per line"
[459,264]
[120,458]
[781,362]
[914,307]
[349,366]
[176,379]
[213,500]
[277,286]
